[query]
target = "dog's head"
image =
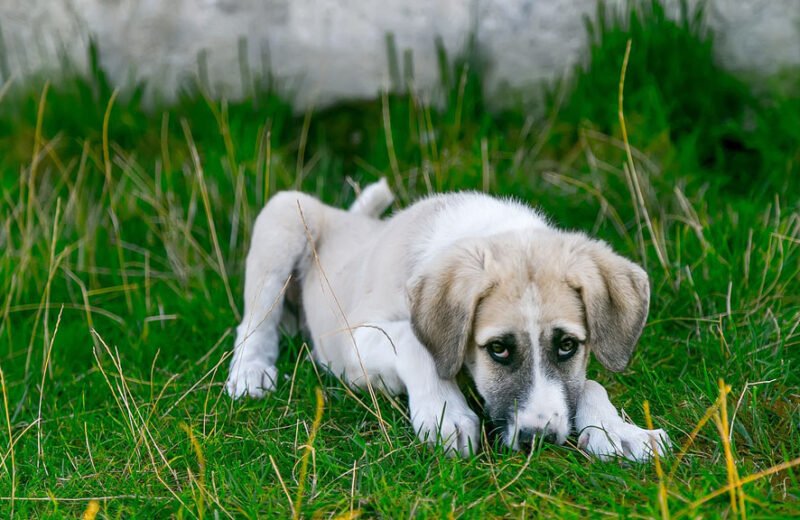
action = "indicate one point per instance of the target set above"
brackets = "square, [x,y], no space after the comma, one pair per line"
[521,312]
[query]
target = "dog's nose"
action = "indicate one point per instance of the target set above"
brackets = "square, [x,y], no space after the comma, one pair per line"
[527,436]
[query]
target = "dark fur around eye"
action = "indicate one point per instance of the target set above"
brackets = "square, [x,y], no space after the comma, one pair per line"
[564,345]
[501,349]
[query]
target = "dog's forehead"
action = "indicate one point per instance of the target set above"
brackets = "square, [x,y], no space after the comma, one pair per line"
[530,287]
[560,304]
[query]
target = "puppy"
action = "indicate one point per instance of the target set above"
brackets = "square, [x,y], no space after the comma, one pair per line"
[456,282]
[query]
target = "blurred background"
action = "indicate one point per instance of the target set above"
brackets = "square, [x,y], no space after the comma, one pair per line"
[320,52]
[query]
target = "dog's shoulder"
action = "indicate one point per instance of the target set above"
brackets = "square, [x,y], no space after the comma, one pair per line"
[474,214]
[444,219]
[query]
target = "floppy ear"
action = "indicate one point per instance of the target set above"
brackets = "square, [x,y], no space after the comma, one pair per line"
[616,296]
[443,300]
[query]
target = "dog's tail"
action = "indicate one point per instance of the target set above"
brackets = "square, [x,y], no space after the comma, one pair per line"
[374,199]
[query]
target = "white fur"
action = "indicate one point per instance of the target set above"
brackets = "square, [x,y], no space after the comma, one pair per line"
[545,409]
[354,271]
[602,432]
[472,215]
[374,200]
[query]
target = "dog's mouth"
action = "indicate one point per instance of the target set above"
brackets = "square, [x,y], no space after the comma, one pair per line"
[507,433]
[525,424]
[527,439]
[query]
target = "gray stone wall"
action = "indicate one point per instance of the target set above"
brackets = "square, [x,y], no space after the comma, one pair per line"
[322,51]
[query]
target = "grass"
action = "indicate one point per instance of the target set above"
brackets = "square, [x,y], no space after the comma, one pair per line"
[124,233]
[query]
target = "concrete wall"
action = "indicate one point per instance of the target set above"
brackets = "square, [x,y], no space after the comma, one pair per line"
[326,50]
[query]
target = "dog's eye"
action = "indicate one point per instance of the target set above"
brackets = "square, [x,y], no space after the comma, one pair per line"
[499,351]
[567,347]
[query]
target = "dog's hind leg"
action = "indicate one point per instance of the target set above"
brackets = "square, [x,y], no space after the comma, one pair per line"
[279,248]
[373,200]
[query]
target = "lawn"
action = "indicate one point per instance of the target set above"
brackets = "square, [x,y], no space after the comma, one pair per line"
[124,232]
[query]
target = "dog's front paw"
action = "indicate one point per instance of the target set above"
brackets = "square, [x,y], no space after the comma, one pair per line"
[456,428]
[623,440]
[252,379]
